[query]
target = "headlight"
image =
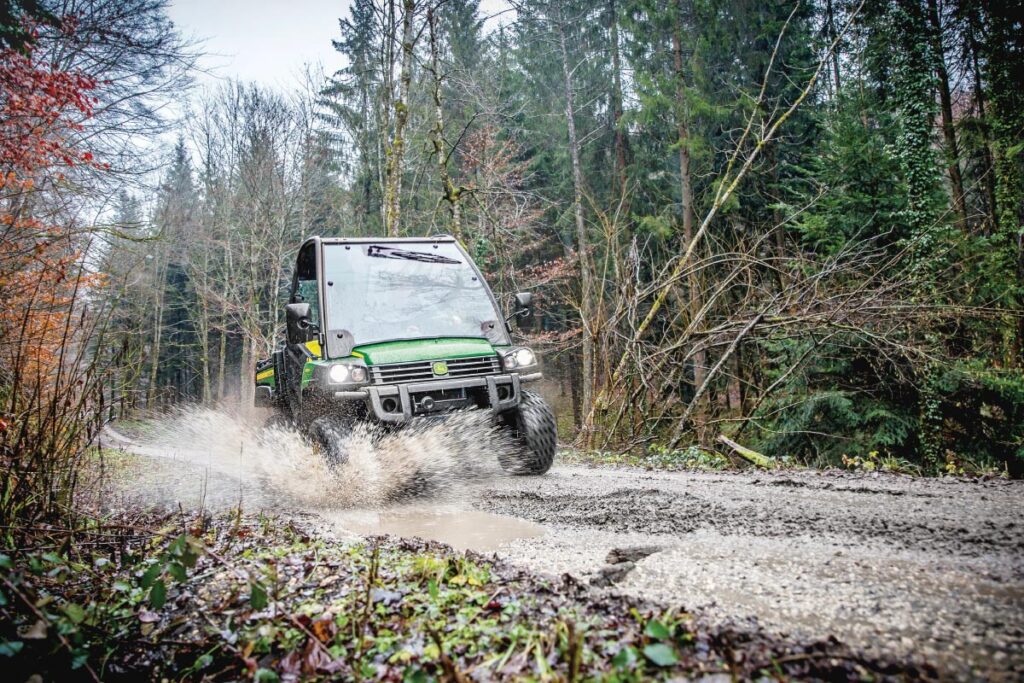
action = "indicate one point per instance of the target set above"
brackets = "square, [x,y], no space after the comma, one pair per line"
[338,373]
[346,374]
[518,358]
[524,357]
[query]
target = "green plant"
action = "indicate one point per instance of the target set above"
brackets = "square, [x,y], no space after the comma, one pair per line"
[169,566]
[691,457]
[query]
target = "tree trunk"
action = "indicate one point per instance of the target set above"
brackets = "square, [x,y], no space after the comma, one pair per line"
[734,389]
[247,372]
[203,331]
[988,172]
[946,105]
[158,327]
[396,153]
[450,193]
[221,363]
[831,26]
[686,197]
[616,97]
[582,244]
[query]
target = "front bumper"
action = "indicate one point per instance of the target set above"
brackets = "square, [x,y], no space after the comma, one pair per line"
[402,402]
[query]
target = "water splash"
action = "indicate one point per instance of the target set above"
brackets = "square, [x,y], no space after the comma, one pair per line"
[434,459]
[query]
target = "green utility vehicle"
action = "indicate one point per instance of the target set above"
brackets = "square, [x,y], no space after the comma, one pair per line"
[394,330]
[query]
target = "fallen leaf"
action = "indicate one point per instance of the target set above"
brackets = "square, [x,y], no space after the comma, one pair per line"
[292,663]
[385,596]
[158,594]
[35,632]
[324,629]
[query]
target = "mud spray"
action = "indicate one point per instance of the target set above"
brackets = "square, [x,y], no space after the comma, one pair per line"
[433,460]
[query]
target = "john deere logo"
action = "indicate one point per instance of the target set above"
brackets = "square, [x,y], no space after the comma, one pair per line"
[440,368]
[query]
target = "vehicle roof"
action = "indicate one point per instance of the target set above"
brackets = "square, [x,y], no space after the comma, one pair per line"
[383,240]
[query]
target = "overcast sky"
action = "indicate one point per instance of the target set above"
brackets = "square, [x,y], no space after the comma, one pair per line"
[269,41]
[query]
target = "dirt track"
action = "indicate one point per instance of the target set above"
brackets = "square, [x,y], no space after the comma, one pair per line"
[920,568]
[927,569]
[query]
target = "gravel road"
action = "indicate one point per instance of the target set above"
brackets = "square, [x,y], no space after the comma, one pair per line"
[920,568]
[925,569]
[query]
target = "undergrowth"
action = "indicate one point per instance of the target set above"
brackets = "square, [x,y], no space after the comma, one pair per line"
[700,459]
[655,457]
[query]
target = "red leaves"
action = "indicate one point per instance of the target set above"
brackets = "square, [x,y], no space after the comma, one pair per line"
[40,106]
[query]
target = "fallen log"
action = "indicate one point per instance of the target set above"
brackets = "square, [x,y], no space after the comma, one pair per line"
[747,454]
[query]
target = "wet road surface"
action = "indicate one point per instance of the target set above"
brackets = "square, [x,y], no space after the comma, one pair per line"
[930,568]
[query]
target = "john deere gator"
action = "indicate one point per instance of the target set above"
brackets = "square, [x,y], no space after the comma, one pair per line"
[397,330]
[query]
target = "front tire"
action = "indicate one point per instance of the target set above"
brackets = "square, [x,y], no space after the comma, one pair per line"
[534,427]
[279,420]
[330,434]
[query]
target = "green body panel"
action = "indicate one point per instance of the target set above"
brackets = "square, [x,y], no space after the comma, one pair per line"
[307,370]
[411,350]
[270,380]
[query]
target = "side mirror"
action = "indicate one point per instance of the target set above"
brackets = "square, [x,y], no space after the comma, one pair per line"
[297,322]
[522,312]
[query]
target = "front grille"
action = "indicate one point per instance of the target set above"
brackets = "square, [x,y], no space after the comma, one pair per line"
[423,370]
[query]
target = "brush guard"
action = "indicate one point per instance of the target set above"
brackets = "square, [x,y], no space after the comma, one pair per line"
[402,402]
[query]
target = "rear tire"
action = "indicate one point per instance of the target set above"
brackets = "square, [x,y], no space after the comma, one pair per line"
[534,426]
[329,433]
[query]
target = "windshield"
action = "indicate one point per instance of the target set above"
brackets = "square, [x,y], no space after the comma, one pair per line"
[383,292]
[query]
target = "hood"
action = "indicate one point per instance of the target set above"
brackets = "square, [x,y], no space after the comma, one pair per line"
[411,350]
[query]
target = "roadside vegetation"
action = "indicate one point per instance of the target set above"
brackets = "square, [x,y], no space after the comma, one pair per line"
[692,458]
[695,458]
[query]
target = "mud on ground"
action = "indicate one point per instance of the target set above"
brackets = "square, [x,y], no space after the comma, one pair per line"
[930,568]
[925,569]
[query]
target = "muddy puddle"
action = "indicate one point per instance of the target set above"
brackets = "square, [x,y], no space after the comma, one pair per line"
[461,529]
[411,483]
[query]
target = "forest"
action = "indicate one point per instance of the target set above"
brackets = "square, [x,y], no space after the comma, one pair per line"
[782,240]
[791,225]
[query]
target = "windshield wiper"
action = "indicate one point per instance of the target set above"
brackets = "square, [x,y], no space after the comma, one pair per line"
[381,251]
